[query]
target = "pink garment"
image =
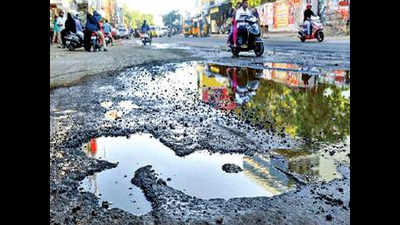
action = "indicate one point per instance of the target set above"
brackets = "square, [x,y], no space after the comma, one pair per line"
[234,31]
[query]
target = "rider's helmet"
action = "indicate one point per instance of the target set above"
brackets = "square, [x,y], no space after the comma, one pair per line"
[309,6]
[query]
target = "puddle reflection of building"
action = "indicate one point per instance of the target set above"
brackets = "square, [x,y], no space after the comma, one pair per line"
[301,162]
[261,169]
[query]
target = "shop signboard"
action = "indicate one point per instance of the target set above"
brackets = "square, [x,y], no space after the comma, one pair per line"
[269,14]
[281,15]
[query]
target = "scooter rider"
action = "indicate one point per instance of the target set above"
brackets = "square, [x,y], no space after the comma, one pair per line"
[145,27]
[244,10]
[79,29]
[307,18]
[92,25]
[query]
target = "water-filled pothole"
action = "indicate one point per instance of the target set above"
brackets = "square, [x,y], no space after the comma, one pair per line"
[199,174]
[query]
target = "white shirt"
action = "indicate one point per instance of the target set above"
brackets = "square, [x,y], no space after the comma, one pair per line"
[241,11]
[61,23]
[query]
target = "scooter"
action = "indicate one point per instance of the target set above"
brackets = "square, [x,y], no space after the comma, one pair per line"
[146,38]
[316,30]
[74,40]
[248,36]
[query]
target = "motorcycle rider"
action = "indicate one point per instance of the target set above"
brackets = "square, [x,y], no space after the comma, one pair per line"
[233,26]
[79,29]
[92,25]
[107,31]
[70,26]
[244,10]
[307,18]
[145,27]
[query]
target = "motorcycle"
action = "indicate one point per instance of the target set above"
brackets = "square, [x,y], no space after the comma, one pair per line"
[316,30]
[74,40]
[146,38]
[95,42]
[107,39]
[248,36]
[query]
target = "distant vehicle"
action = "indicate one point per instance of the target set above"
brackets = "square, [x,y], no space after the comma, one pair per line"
[136,33]
[316,30]
[74,41]
[123,32]
[187,28]
[146,38]
[115,33]
[162,31]
[153,31]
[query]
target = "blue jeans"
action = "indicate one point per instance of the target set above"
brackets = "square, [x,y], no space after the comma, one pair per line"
[308,24]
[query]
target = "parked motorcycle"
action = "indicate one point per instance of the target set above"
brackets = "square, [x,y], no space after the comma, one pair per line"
[95,42]
[74,40]
[316,30]
[146,38]
[248,36]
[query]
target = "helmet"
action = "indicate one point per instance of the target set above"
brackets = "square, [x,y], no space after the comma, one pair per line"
[309,6]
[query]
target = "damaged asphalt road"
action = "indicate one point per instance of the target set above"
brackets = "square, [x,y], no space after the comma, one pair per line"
[162,99]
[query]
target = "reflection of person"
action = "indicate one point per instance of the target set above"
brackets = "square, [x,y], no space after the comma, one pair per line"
[305,77]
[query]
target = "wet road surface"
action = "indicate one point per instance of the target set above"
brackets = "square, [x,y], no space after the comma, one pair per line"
[285,124]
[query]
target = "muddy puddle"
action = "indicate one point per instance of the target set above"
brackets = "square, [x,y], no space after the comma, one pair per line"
[306,103]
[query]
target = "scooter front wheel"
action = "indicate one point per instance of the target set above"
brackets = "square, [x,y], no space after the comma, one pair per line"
[235,51]
[320,36]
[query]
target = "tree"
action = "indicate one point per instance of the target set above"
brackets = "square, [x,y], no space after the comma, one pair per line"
[252,3]
[135,18]
[172,19]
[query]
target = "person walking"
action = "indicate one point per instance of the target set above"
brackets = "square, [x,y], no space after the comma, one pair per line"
[56,31]
[61,26]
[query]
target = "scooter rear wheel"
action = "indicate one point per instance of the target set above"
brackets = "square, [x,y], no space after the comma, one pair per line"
[259,50]
[235,51]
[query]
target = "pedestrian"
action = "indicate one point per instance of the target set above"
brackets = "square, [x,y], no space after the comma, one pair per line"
[61,26]
[56,31]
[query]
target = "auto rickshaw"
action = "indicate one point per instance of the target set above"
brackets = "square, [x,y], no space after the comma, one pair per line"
[196,27]
[187,28]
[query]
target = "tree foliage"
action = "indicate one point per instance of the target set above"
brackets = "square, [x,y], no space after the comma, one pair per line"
[308,113]
[135,18]
[172,19]
[252,3]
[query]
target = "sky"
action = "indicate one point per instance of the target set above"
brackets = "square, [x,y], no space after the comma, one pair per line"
[160,7]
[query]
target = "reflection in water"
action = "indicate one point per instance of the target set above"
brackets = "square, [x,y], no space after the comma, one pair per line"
[305,162]
[304,105]
[199,174]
